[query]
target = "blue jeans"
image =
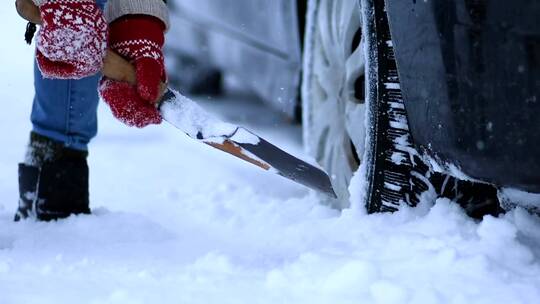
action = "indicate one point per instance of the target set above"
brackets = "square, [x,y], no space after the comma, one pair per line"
[66,110]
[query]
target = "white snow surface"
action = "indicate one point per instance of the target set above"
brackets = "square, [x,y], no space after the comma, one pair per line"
[520,198]
[176,221]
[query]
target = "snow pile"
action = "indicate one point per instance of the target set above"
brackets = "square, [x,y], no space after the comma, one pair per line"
[176,221]
[511,197]
[252,249]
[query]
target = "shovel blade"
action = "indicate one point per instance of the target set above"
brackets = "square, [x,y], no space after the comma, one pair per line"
[291,167]
[185,115]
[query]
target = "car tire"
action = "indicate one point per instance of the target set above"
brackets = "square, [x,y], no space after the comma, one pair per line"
[351,81]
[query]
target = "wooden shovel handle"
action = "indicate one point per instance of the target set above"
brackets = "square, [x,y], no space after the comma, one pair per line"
[28,10]
[117,68]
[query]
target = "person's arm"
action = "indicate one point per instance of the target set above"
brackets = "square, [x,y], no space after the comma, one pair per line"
[118,8]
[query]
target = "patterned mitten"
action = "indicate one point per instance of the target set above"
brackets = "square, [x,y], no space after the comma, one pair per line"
[139,39]
[72,40]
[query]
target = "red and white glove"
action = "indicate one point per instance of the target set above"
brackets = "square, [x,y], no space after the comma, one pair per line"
[72,40]
[139,39]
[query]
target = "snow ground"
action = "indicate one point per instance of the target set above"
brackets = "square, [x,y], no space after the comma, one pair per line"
[177,222]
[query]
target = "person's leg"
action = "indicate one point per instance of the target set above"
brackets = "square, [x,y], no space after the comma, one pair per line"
[65,110]
[53,180]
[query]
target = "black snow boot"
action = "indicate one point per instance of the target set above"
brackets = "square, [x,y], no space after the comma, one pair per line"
[53,181]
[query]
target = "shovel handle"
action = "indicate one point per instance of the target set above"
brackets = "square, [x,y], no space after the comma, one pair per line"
[117,68]
[28,10]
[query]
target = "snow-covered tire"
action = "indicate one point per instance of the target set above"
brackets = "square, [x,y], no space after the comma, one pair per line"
[333,90]
[350,82]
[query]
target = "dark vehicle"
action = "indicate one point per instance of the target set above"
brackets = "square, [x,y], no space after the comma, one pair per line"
[436,96]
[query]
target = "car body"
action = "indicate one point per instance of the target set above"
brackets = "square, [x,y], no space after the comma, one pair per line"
[470,75]
[258,41]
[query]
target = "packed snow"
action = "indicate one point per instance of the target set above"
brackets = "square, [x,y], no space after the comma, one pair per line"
[186,115]
[175,221]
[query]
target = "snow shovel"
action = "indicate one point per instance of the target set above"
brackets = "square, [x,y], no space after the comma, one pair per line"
[187,116]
